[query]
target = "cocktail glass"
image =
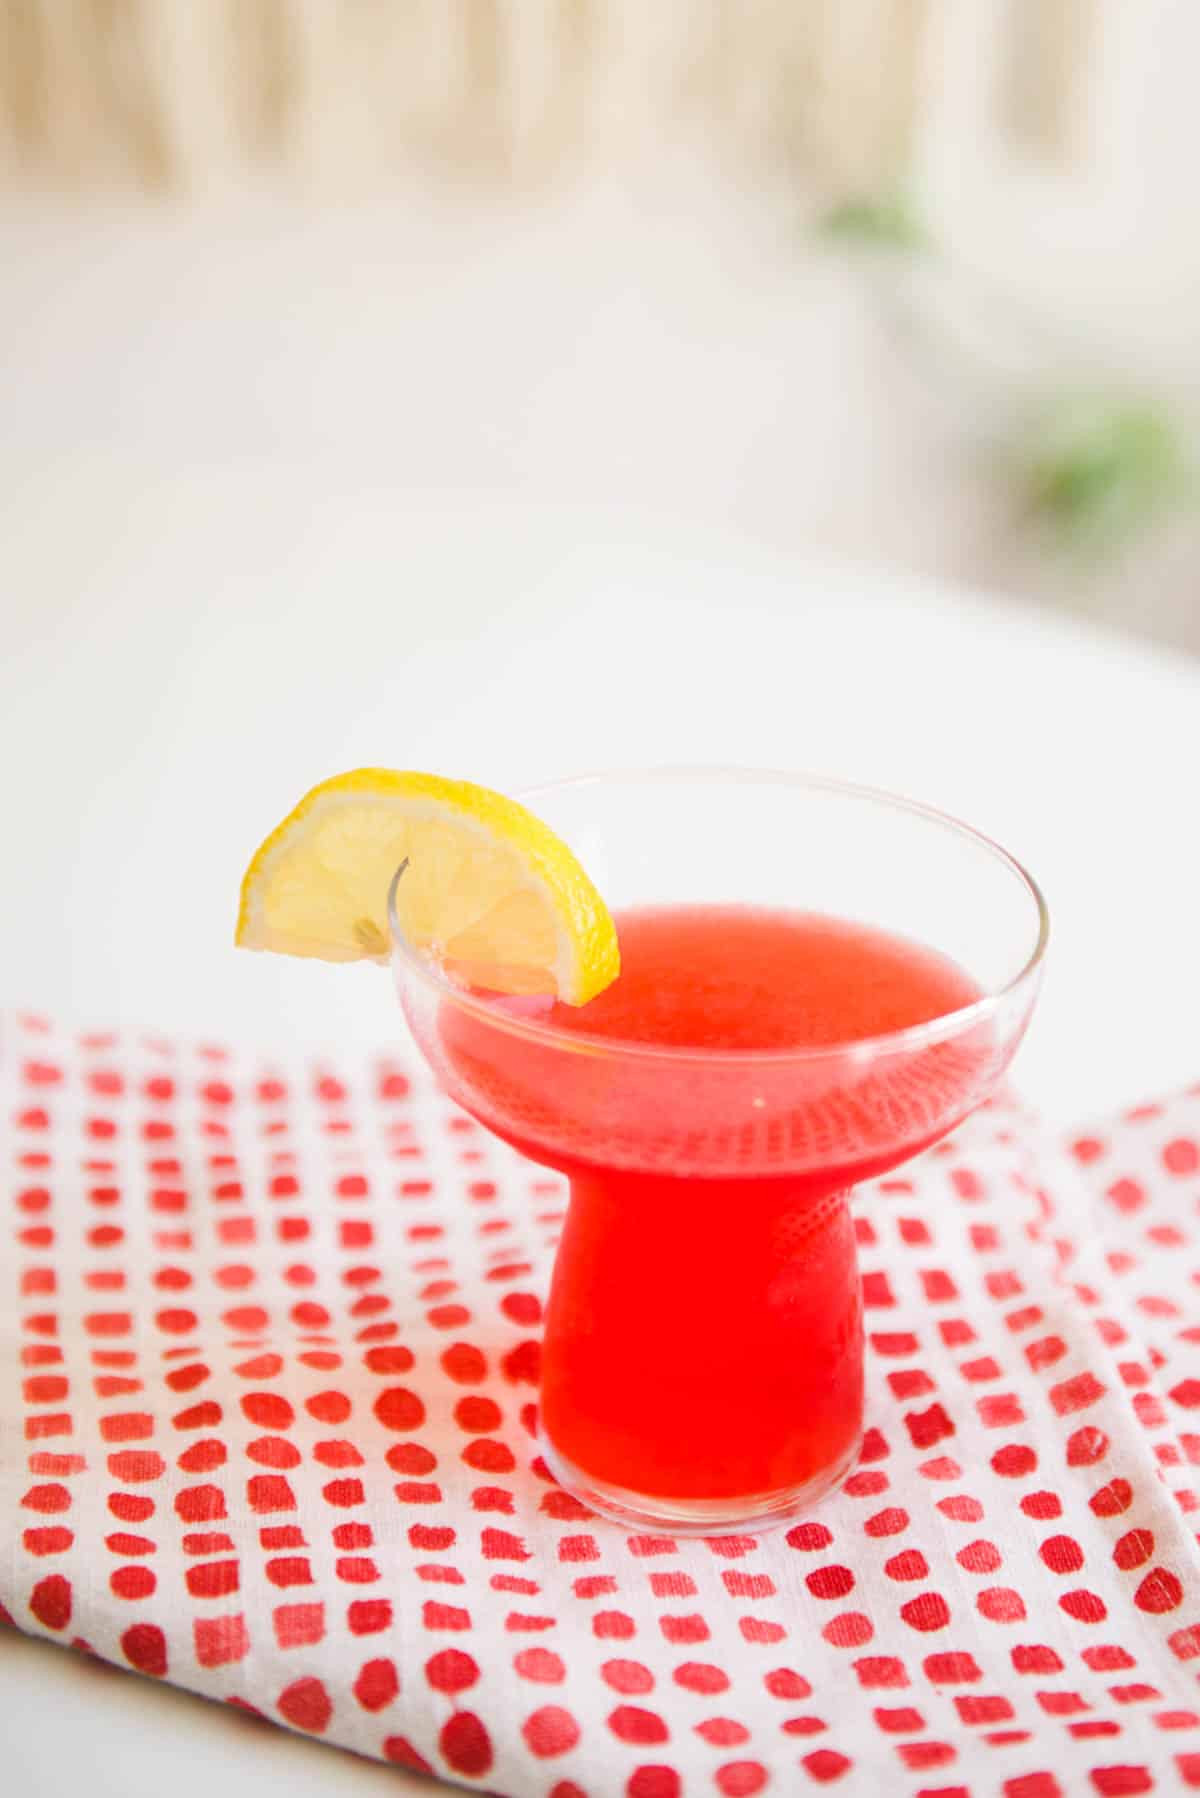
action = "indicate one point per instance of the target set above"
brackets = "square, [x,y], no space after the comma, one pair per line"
[703,1350]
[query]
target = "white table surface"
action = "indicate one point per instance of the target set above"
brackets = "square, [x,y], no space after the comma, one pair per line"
[185,653]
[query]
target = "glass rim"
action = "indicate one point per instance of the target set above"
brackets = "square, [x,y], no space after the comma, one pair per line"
[910,1038]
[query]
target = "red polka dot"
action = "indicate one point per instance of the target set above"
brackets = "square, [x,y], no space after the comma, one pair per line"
[522,1307]
[464,1364]
[850,1630]
[928,1754]
[908,1565]
[1085,1446]
[182,1379]
[198,1417]
[448,1317]
[887,1523]
[337,1453]
[523,1365]
[401,1753]
[367,1616]
[42,1073]
[268,1410]
[628,1677]
[688,1628]
[145,1647]
[477,1414]
[1036,1657]
[741,1779]
[1000,1604]
[410,1457]
[119,1543]
[541,1665]
[550,1730]
[979,1557]
[202,1456]
[929,1426]
[1111,1500]
[50,1601]
[343,1493]
[630,1723]
[825,1765]
[492,1498]
[1121,1782]
[289,1570]
[299,1625]
[783,1682]
[1061,1554]
[898,1721]
[654,1782]
[808,1537]
[389,1358]
[562,1505]
[451,1670]
[268,1492]
[431,1536]
[130,1507]
[306,1705]
[377,1684]
[1085,1607]
[47,1541]
[723,1732]
[399,1409]
[249,1319]
[220,1641]
[487,1456]
[328,1406]
[1182,1156]
[133,1582]
[273,1451]
[928,1611]
[961,1508]
[757,1629]
[701,1676]
[47,1499]
[1160,1591]
[465,1744]
[830,1582]
[176,1321]
[1108,1657]
[135,1466]
[1133,1549]
[1014,1461]
[310,1316]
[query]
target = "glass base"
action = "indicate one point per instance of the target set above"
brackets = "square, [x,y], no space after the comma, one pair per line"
[695,1516]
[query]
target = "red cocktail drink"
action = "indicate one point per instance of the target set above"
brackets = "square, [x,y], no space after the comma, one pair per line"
[702,1362]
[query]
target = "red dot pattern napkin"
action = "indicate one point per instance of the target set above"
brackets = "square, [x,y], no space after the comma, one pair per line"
[269,1356]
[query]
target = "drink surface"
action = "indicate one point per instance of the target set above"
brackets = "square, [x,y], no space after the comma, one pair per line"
[742,978]
[726,1047]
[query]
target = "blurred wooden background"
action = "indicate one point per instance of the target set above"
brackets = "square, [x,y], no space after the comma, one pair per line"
[183,93]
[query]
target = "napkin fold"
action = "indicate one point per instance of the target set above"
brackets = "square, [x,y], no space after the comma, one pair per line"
[269,1361]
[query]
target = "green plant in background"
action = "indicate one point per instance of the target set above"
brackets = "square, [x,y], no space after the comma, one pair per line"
[887,222]
[1100,470]
[1097,466]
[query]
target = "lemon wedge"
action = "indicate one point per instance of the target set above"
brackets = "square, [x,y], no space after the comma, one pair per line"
[489,892]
